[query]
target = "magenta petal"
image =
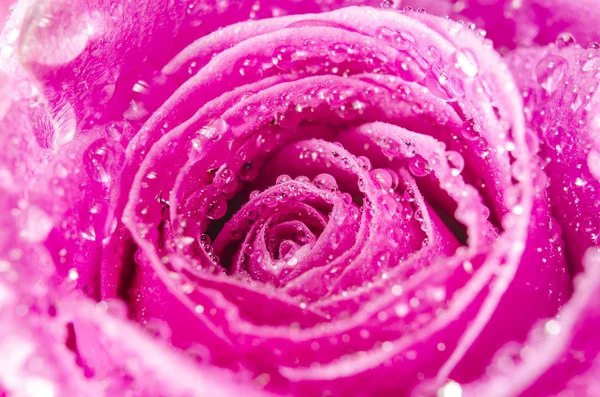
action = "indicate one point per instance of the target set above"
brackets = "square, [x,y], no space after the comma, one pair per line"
[294,198]
[562,105]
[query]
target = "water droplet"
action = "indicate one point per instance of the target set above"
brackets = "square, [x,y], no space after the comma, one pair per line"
[103,159]
[248,172]
[215,130]
[325,182]
[282,179]
[225,180]
[404,40]
[57,34]
[470,129]
[418,166]
[564,39]
[550,71]
[284,57]
[429,53]
[409,70]
[73,274]
[217,208]
[339,52]
[594,46]
[390,204]
[249,67]
[89,234]
[465,62]
[456,162]
[389,4]
[443,85]
[382,178]
[390,147]
[402,310]
[386,34]
[364,163]
[254,194]
[589,60]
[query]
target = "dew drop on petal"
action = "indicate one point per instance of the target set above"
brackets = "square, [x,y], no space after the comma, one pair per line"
[215,130]
[382,178]
[103,159]
[443,85]
[390,4]
[466,62]
[550,71]
[57,34]
[339,52]
[390,204]
[282,179]
[216,208]
[589,60]
[456,161]
[325,181]
[248,172]
[418,166]
[284,57]
[364,163]
[390,147]
[470,130]
[564,40]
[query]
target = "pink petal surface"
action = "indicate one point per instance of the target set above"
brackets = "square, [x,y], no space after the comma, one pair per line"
[294,198]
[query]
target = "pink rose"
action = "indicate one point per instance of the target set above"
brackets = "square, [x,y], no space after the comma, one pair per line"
[309,198]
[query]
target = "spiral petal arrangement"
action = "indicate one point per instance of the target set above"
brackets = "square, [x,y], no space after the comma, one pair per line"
[301,198]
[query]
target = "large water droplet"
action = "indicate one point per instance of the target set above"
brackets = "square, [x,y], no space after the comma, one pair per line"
[550,71]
